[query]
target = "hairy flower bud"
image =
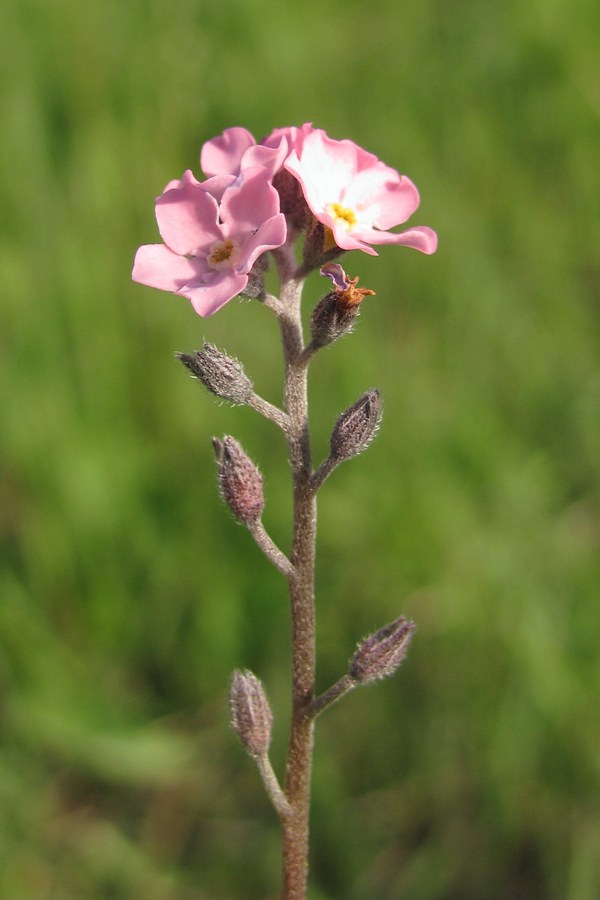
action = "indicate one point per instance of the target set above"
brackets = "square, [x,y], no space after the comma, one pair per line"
[251,715]
[221,374]
[240,481]
[380,654]
[355,428]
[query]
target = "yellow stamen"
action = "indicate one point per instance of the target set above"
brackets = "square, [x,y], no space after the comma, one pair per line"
[221,252]
[342,215]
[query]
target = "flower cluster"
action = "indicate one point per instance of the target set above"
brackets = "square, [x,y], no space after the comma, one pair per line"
[257,196]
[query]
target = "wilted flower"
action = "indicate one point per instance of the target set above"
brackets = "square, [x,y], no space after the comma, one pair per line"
[334,315]
[213,234]
[355,196]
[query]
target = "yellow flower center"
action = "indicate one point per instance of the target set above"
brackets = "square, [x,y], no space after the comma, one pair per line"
[342,215]
[220,254]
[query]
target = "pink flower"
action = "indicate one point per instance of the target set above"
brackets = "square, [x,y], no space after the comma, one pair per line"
[356,196]
[236,150]
[213,233]
[293,136]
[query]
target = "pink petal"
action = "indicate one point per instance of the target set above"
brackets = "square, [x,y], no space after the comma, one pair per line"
[269,236]
[223,155]
[386,198]
[217,185]
[271,158]
[188,219]
[294,137]
[157,266]
[352,240]
[188,177]
[249,202]
[207,298]
[419,238]
[324,169]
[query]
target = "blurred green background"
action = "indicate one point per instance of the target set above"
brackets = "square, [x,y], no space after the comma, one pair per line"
[127,593]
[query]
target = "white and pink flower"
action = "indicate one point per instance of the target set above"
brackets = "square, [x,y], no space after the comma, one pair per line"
[256,196]
[356,196]
[211,239]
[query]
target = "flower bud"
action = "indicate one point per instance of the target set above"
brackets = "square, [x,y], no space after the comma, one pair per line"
[291,200]
[221,374]
[240,481]
[319,246]
[251,715]
[355,428]
[380,654]
[255,287]
[334,315]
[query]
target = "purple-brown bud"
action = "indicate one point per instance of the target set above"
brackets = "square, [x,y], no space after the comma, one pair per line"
[240,481]
[356,427]
[251,715]
[380,654]
[221,374]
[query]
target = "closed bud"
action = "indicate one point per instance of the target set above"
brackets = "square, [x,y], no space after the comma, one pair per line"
[251,715]
[380,654]
[240,481]
[221,374]
[355,428]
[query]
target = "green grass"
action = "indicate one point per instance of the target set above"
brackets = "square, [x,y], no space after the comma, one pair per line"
[127,594]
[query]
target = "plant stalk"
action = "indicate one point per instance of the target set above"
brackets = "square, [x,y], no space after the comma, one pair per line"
[301,589]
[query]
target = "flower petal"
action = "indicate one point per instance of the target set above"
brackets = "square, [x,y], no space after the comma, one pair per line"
[420,238]
[249,202]
[211,295]
[387,198]
[188,219]
[157,266]
[271,158]
[269,236]
[350,240]
[223,155]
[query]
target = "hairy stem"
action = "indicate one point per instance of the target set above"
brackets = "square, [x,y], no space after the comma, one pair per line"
[301,589]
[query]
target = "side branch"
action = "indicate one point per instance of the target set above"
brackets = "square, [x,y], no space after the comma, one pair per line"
[272,787]
[338,690]
[270,549]
[322,473]
[269,411]
[273,303]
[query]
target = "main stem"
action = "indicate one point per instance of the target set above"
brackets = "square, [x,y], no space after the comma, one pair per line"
[301,588]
